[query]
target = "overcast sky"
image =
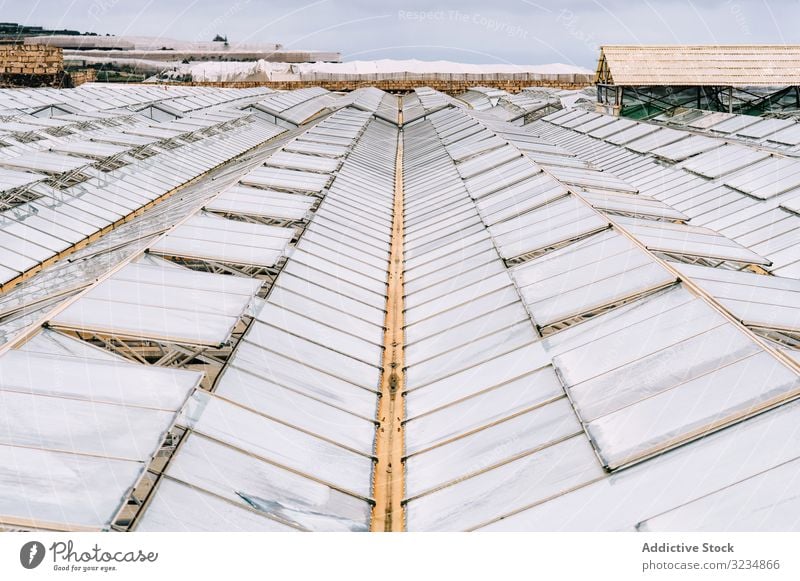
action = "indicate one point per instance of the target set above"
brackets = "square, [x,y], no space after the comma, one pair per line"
[486,31]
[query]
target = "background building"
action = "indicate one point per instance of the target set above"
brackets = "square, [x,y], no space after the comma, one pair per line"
[644,81]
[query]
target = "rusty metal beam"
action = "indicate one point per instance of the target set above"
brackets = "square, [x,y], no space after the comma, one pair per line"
[389,475]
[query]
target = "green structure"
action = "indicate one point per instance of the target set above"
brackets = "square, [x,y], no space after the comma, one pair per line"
[644,81]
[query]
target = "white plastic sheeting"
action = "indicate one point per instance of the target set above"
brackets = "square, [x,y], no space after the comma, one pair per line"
[563,220]
[739,507]
[12,178]
[46,162]
[596,272]
[77,431]
[711,465]
[180,507]
[166,304]
[35,232]
[483,406]
[218,239]
[734,186]
[497,417]
[698,373]
[767,179]
[637,205]
[757,300]
[286,442]
[286,179]
[663,350]
[691,240]
[261,202]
